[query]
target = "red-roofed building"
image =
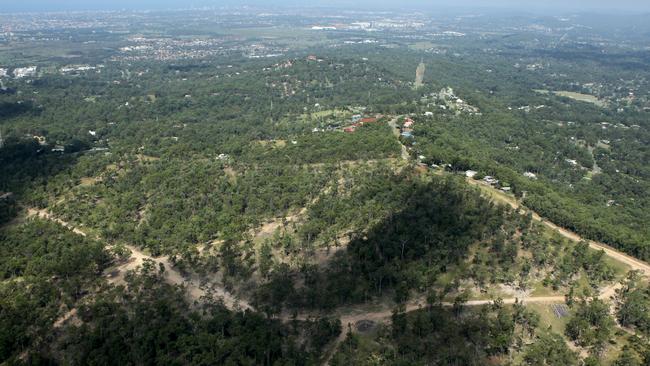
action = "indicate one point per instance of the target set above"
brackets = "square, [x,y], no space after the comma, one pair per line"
[368,120]
[349,129]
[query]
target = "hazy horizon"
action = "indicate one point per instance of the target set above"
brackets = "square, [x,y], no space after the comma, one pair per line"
[549,5]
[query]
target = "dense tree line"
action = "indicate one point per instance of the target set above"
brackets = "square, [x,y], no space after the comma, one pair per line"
[423,228]
[173,158]
[441,336]
[150,323]
[44,270]
[634,303]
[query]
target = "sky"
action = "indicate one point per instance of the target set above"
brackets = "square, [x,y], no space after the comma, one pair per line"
[531,5]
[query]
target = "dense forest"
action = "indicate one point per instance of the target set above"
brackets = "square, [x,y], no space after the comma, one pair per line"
[313,205]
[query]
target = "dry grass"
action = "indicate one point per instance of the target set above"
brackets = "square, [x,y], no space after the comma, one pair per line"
[581,97]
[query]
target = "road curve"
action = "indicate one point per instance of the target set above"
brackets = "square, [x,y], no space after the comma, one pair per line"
[634,263]
[116,274]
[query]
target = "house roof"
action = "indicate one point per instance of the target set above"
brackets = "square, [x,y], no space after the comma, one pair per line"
[368,120]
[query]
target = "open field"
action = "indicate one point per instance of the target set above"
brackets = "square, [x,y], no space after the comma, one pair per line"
[575,96]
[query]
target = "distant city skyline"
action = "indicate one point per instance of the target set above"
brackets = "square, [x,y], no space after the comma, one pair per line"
[575,5]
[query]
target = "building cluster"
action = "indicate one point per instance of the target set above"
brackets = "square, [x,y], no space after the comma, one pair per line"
[168,49]
[489,180]
[371,25]
[447,100]
[25,72]
[171,48]
[79,69]
[359,121]
[407,128]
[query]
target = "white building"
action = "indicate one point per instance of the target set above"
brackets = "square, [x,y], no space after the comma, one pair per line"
[571,161]
[22,72]
[317,27]
[490,180]
[76,68]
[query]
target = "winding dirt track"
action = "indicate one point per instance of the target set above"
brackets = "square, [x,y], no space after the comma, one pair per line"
[116,274]
[393,125]
[635,264]
[353,314]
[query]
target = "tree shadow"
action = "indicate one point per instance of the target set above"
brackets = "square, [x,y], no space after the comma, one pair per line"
[26,166]
[13,109]
[406,252]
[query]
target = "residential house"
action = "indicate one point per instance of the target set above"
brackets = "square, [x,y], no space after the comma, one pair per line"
[367,120]
[490,180]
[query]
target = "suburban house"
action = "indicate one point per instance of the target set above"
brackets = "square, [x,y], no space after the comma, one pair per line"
[367,120]
[490,180]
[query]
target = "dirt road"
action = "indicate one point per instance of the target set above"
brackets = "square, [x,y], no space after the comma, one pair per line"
[635,264]
[393,125]
[352,315]
[116,273]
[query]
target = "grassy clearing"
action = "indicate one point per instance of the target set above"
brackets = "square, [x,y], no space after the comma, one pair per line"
[89,181]
[538,289]
[297,37]
[272,143]
[328,113]
[573,95]
[146,158]
[547,317]
[494,194]
[615,347]
[581,97]
[620,268]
